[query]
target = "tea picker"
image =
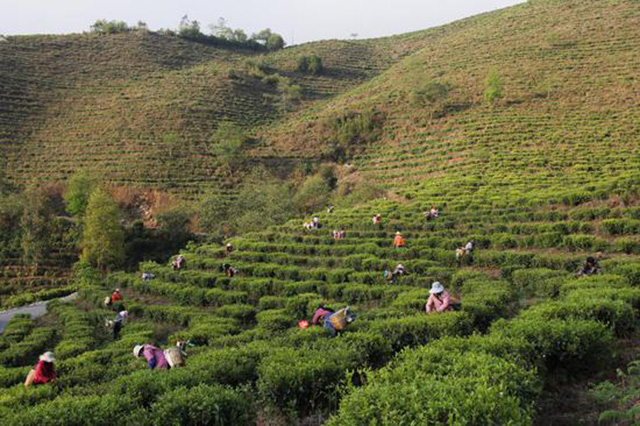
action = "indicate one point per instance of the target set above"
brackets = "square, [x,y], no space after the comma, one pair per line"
[336,323]
[44,372]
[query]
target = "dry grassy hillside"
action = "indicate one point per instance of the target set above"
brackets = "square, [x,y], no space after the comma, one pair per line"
[141,106]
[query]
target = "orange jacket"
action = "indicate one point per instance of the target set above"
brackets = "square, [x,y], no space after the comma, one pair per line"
[398,241]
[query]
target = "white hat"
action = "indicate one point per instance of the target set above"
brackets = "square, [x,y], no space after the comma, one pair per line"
[436,288]
[48,357]
[137,350]
[398,233]
[229,244]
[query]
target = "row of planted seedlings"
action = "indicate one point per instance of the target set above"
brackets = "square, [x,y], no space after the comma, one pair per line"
[496,378]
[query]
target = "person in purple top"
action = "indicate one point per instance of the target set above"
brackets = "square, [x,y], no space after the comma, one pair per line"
[154,356]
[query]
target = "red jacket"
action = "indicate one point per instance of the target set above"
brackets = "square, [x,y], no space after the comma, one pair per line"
[45,373]
[116,296]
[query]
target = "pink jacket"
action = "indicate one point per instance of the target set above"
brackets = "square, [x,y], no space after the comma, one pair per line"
[320,315]
[439,304]
[155,357]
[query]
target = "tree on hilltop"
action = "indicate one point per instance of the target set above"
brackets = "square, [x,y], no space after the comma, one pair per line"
[102,26]
[188,28]
[266,37]
[223,31]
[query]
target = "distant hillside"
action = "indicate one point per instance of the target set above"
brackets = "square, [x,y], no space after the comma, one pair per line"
[141,107]
[570,107]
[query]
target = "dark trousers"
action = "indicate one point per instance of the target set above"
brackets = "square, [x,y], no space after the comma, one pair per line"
[117,326]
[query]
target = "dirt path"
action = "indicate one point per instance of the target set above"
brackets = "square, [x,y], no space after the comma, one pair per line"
[35,310]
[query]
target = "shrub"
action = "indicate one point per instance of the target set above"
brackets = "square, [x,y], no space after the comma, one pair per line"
[95,410]
[275,320]
[570,344]
[584,242]
[595,283]
[203,404]
[541,282]
[422,328]
[305,379]
[627,245]
[615,314]
[463,389]
[629,270]
[310,65]
[620,226]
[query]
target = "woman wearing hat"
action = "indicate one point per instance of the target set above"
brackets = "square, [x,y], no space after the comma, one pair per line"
[439,299]
[154,356]
[398,241]
[44,372]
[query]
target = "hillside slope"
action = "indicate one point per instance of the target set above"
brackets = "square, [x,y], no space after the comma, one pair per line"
[571,82]
[140,107]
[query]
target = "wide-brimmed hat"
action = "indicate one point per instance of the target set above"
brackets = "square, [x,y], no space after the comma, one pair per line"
[398,233]
[137,350]
[48,357]
[117,290]
[436,288]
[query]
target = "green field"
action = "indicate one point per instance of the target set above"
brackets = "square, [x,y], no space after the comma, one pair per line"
[543,177]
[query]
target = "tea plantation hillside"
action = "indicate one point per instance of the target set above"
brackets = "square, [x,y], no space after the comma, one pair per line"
[567,105]
[521,125]
[525,318]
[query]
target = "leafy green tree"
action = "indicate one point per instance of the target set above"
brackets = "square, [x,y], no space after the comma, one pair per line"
[261,203]
[79,189]
[227,144]
[174,224]
[315,65]
[275,42]
[37,224]
[223,31]
[493,87]
[262,36]
[189,28]
[214,215]
[268,38]
[103,236]
[310,65]
[313,195]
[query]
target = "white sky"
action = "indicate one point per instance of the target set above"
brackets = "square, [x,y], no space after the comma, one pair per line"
[300,20]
